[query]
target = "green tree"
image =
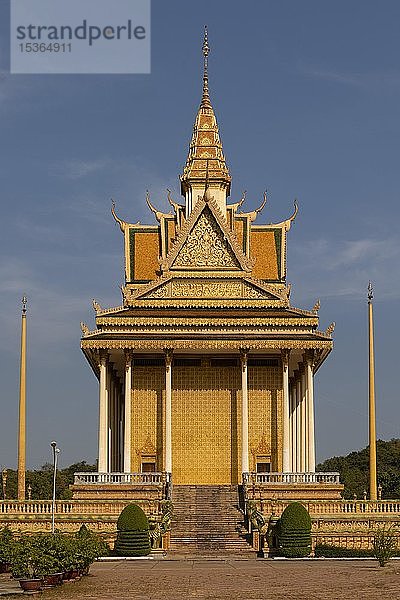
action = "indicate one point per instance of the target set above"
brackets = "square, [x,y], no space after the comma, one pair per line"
[354,469]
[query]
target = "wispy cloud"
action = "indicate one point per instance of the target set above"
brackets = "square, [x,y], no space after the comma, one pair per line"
[343,268]
[77,169]
[370,79]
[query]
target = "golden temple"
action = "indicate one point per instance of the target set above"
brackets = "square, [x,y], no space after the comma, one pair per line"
[206,369]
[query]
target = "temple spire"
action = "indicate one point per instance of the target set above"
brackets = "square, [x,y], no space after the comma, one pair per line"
[205,100]
[205,164]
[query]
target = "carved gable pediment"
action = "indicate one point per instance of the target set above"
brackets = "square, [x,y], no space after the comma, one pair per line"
[206,247]
[205,243]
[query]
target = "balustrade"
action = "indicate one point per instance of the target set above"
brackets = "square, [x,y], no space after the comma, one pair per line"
[284,478]
[74,507]
[120,478]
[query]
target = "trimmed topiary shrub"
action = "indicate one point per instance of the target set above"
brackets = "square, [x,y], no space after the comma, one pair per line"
[294,531]
[133,537]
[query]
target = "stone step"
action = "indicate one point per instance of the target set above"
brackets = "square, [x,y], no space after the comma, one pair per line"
[208,519]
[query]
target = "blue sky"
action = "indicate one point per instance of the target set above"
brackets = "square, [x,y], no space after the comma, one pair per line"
[307,96]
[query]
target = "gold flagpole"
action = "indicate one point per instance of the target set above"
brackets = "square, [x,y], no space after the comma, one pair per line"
[372,418]
[22,408]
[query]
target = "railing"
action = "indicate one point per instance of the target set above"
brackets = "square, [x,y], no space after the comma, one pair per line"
[284,478]
[75,507]
[331,508]
[121,478]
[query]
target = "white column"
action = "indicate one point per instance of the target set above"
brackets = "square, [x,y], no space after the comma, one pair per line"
[310,412]
[245,414]
[103,416]
[298,422]
[293,424]
[303,408]
[285,413]
[168,411]
[108,396]
[112,422]
[128,413]
[290,427]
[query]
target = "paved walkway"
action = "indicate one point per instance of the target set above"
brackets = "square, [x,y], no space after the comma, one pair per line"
[229,579]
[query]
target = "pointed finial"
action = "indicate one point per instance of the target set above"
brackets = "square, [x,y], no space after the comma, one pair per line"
[370,292]
[205,100]
[24,303]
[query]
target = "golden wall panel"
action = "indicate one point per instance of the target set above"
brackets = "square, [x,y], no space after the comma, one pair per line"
[171,233]
[204,425]
[148,391]
[146,253]
[263,251]
[206,420]
[239,230]
[265,415]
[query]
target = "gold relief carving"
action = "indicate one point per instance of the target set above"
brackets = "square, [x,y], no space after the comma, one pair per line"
[206,247]
[148,449]
[204,289]
[223,288]
[252,292]
[291,324]
[161,292]
[205,344]
[263,448]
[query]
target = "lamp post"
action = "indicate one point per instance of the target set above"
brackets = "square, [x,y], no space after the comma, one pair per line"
[56,452]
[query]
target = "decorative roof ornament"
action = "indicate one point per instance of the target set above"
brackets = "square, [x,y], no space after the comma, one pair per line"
[330,329]
[370,292]
[158,214]
[24,303]
[96,306]
[205,100]
[122,224]
[316,306]
[177,207]
[85,329]
[234,206]
[253,214]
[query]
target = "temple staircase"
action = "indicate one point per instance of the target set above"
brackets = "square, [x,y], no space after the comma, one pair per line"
[207,520]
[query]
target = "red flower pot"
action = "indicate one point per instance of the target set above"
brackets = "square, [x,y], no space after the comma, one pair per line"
[30,585]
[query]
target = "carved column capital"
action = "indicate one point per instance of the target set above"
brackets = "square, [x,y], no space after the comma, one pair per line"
[168,353]
[244,352]
[310,357]
[128,358]
[103,358]
[285,355]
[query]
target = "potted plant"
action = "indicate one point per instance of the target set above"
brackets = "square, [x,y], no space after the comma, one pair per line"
[90,546]
[6,539]
[24,563]
[48,564]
